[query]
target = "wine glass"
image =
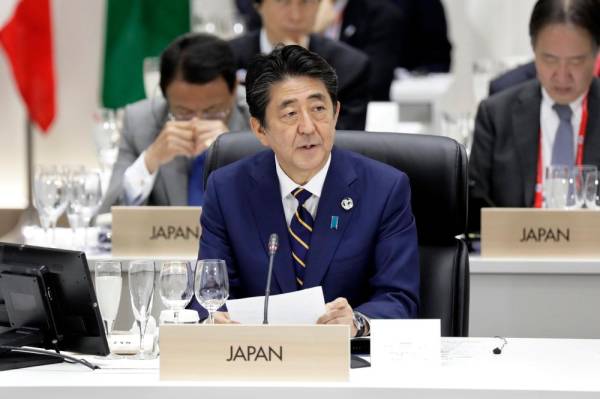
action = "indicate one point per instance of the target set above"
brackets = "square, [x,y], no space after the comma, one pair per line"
[141,289]
[176,286]
[86,196]
[211,285]
[106,136]
[108,284]
[50,193]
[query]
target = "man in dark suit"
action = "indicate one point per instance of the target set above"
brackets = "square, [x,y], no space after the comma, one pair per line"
[541,122]
[290,22]
[344,221]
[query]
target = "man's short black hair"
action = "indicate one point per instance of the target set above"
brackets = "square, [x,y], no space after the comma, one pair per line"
[197,58]
[285,62]
[584,14]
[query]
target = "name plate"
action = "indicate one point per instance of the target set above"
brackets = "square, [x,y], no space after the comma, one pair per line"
[530,232]
[254,352]
[155,230]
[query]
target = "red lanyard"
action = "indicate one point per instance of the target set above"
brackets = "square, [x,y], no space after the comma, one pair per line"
[537,203]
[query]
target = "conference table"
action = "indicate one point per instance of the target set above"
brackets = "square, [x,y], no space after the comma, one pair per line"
[526,368]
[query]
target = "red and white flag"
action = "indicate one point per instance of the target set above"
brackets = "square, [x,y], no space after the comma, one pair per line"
[26,37]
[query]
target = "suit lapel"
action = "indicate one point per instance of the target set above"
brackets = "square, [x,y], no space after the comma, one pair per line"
[269,217]
[526,128]
[325,240]
[591,148]
[174,181]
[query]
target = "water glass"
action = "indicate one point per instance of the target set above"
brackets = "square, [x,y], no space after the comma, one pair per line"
[211,285]
[176,286]
[578,178]
[108,283]
[592,196]
[85,187]
[50,195]
[556,186]
[106,136]
[141,289]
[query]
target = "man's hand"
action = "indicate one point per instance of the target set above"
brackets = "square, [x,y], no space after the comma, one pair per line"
[223,318]
[205,132]
[338,311]
[176,138]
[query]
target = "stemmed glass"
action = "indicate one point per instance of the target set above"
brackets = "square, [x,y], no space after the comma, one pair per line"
[141,289]
[108,284]
[86,196]
[50,191]
[176,286]
[211,285]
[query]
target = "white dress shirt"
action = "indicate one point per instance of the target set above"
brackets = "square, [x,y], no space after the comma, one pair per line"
[549,122]
[266,46]
[314,186]
[138,182]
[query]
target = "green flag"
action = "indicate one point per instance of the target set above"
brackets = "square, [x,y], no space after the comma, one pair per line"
[136,29]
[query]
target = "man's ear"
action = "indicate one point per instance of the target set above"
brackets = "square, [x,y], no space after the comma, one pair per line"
[259,131]
[337,113]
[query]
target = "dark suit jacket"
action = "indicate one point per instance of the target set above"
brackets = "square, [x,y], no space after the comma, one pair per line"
[375,27]
[351,66]
[513,77]
[503,162]
[371,259]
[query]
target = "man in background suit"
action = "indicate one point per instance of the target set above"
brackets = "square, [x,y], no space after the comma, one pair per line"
[163,143]
[290,22]
[344,221]
[510,126]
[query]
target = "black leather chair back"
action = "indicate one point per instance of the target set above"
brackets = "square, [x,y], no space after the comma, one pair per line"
[437,169]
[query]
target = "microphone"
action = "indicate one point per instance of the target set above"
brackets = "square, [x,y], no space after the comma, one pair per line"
[273,245]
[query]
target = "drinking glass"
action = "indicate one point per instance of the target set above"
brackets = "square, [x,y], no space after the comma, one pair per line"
[86,196]
[175,286]
[592,196]
[141,289]
[108,284]
[211,285]
[106,136]
[556,186]
[577,180]
[50,192]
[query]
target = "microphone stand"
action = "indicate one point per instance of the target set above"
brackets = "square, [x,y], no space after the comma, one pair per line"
[273,245]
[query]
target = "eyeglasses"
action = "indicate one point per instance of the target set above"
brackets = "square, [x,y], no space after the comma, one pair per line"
[184,116]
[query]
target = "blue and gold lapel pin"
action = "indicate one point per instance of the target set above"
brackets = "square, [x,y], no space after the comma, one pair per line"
[334,222]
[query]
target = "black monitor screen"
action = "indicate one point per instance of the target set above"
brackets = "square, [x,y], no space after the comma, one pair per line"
[72,321]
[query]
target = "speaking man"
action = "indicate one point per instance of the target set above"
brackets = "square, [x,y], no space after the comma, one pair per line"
[554,119]
[163,143]
[344,221]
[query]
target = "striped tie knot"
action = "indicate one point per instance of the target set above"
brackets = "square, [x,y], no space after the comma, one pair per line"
[301,195]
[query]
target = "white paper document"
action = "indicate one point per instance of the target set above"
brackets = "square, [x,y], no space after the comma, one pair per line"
[299,307]
[405,343]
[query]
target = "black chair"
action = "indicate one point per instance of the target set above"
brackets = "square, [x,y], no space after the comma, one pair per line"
[437,168]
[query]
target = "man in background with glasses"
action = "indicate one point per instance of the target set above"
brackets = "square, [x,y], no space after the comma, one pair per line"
[163,144]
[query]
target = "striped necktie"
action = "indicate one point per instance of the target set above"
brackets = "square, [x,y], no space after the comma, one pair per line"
[563,152]
[300,230]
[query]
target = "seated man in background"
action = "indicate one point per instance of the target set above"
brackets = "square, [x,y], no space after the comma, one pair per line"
[554,119]
[163,143]
[344,221]
[291,22]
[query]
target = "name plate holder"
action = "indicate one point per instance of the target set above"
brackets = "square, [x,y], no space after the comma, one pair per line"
[530,232]
[254,352]
[155,231]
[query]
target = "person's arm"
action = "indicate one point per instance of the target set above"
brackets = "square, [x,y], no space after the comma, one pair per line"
[394,283]
[138,182]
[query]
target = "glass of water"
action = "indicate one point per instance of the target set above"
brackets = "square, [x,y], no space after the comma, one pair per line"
[211,285]
[141,289]
[176,286]
[108,282]
[556,186]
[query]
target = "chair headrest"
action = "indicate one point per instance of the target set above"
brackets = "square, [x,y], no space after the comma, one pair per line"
[435,165]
